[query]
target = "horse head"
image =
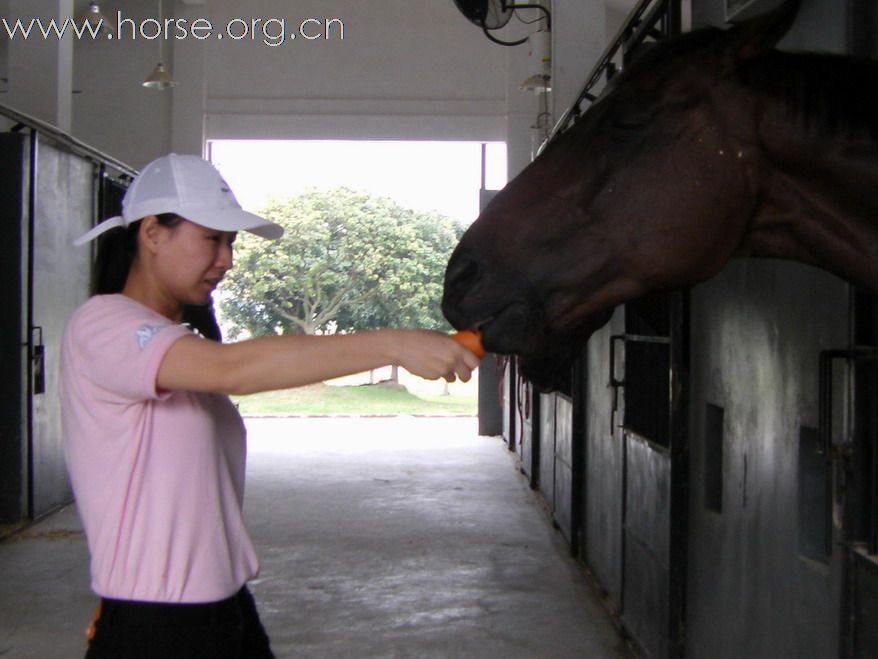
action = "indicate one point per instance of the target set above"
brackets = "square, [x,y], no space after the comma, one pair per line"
[651,189]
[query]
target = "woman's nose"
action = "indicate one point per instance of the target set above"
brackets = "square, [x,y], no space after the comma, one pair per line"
[225,258]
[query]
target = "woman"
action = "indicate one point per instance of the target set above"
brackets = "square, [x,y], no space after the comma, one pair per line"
[154,447]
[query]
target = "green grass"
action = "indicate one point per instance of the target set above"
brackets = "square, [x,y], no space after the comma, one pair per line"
[381,398]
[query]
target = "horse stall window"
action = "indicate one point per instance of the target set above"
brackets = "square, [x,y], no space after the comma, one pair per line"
[713,457]
[864,458]
[814,529]
[871,431]
[861,481]
[565,384]
[647,368]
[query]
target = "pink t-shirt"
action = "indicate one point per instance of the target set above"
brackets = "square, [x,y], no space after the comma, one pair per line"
[158,476]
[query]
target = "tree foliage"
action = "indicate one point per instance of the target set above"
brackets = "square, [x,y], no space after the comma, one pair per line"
[347,261]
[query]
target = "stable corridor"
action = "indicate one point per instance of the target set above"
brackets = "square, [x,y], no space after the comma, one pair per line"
[378,537]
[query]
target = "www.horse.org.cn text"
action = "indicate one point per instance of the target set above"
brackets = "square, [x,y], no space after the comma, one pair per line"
[269,31]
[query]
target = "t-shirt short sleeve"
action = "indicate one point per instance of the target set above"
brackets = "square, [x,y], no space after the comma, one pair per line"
[120,345]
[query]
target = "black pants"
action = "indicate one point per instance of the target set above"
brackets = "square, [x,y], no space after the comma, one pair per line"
[229,629]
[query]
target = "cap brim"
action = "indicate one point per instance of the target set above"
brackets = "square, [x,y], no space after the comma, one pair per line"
[97,230]
[230,220]
[238,220]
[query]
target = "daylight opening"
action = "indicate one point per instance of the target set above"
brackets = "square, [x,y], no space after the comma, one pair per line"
[370,227]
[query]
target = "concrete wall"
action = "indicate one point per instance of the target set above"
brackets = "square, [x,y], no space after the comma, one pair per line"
[756,585]
[754,590]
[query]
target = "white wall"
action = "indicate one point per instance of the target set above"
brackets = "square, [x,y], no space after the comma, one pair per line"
[111,110]
[406,69]
[48,95]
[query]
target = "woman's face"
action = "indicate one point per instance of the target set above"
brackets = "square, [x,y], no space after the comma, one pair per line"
[192,260]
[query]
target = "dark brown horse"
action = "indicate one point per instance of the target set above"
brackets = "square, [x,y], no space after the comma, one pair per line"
[712,145]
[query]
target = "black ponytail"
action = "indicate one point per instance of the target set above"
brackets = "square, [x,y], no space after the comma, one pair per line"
[116,251]
[115,254]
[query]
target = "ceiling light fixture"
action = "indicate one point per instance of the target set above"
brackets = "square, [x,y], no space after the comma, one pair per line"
[94,16]
[160,78]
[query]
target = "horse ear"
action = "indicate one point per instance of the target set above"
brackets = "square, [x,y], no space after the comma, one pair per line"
[761,33]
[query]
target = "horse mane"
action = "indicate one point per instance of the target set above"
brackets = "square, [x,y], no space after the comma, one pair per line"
[825,93]
[828,94]
[649,53]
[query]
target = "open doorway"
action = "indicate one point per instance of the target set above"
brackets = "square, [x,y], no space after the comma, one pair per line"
[437,182]
[444,177]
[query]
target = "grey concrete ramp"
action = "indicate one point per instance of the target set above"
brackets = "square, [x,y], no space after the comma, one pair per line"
[378,537]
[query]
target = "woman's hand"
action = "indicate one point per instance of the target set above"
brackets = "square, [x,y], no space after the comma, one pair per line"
[282,362]
[432,355]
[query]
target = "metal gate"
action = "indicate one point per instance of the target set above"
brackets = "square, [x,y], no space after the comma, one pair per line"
[851,459]
[649,419]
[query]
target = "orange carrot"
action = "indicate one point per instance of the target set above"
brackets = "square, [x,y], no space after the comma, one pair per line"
[471,340]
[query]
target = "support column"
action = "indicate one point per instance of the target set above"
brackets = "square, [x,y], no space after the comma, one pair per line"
[522,106]
[40,68]
[190,95]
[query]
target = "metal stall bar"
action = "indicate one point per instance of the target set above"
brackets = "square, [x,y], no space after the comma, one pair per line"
[639,25]
[29,315]
[64,139]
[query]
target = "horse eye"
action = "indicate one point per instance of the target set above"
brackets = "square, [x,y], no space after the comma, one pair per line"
[628,121]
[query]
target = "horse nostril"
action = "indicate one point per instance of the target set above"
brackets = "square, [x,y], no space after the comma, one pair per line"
[462,274]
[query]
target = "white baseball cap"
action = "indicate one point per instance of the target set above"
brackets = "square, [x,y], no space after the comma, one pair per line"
[190,187]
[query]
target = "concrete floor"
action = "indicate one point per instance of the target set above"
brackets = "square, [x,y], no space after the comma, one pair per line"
[378,537]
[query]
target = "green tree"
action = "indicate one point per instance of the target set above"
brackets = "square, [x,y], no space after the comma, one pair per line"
[347,261]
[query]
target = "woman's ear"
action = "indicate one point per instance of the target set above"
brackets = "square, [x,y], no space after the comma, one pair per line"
[149,232]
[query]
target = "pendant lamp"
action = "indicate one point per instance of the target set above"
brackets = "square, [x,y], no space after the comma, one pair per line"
[94,16]
[160,78]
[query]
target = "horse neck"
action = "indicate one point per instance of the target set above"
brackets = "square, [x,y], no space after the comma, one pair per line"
[817,194]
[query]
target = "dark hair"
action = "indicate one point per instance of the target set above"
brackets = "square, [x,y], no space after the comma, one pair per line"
[115,254]
[116,250]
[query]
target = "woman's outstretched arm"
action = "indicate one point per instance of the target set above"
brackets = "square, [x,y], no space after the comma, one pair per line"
[282,362]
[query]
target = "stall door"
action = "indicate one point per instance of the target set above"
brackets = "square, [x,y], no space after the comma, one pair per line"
[64,208]
[855,454]
[648,374]
[50,200]
[13,455]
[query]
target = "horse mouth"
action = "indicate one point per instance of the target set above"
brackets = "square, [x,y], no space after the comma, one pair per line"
[546,348]
[517,330]
[508,331]
[546,353]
